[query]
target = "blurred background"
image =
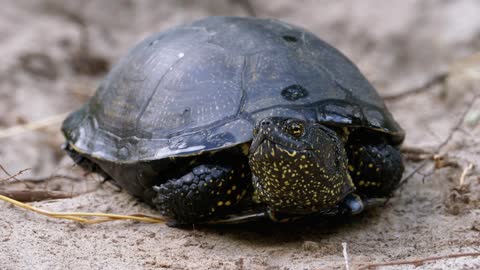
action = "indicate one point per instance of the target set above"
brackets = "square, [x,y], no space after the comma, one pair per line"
[53,54]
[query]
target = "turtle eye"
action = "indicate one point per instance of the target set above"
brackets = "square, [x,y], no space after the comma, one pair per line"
[295,129]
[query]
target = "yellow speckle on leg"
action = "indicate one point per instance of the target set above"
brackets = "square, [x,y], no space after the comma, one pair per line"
[245,149]
[219,203]
[234,187]
[370,165]
[228,203]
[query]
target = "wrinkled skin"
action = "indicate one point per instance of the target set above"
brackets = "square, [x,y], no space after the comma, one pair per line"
[298,167]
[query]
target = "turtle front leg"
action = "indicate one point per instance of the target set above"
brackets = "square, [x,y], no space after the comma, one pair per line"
[208,191]
[376,167]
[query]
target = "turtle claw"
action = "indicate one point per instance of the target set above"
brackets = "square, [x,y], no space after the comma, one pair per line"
[354,203]
[241,218]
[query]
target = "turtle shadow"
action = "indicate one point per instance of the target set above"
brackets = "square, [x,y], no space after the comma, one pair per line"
[267,233]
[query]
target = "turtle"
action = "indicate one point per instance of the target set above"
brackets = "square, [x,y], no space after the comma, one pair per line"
[233,119]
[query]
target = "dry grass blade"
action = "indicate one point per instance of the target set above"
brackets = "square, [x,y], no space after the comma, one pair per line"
[19,129]
[465,172]
[81,217]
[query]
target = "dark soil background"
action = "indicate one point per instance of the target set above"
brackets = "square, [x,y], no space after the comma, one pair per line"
[54,53]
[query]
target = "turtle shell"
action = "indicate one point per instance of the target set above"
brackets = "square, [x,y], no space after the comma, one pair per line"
[202,86]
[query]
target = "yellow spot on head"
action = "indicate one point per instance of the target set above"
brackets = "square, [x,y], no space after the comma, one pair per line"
[370,165]
[350,168]
[228,203]
[245,149]
[294,153]
[234,187]
[229,191]
[219,203]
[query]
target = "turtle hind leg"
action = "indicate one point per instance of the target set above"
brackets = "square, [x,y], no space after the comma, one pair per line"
[375,166]
[206,192]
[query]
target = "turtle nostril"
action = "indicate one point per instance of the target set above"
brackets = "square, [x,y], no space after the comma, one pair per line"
[265,123]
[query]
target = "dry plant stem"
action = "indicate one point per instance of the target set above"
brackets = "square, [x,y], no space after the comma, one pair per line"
[415,150]
[35,195]
[37,180]
[441,145]
[436,79]
[80,216]
[19,129]
[415,154]
[419,262]
[11,176]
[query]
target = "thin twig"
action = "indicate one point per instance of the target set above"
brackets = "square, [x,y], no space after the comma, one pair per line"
[445,142]
[11,176]
[456,127]
[28,195]
[436,79]
[416,154]
[419,262]
[414,150]
[36,180]
[412,173]
[19,129]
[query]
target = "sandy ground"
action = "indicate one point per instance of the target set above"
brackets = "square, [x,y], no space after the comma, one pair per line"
[53,54]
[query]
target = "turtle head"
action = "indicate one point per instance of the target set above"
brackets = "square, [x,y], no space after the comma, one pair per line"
[298,167]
